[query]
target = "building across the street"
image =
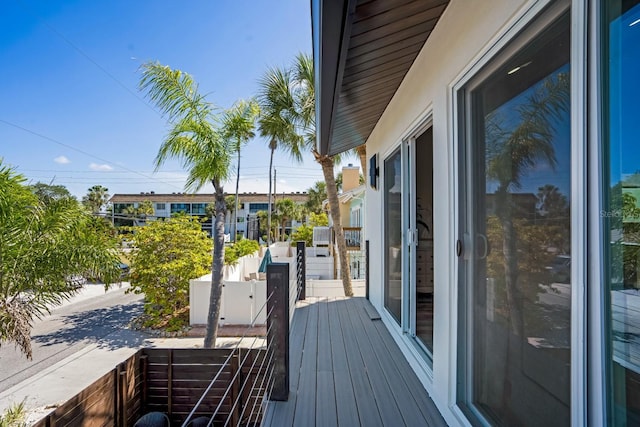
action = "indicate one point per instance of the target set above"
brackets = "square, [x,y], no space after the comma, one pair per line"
[165,205]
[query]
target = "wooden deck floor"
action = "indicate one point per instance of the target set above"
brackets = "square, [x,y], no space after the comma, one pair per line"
[346,370]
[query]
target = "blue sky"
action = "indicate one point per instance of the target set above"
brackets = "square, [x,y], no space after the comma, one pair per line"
[71,113]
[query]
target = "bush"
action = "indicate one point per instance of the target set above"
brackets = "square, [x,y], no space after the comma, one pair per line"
[302,233]
[164,257]
[239,249]
[305,231]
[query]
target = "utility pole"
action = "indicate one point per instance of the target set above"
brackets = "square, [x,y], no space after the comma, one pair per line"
[275,194]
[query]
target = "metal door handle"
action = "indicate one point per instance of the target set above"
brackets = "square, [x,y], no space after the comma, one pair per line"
[485,249]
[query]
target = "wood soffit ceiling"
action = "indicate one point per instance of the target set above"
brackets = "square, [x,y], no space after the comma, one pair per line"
[379,41]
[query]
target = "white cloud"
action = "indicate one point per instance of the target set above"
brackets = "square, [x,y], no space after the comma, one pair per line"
[100,168]
[62,160]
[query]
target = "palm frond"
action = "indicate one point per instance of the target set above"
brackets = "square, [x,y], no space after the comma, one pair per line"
[174,92]
[194,138]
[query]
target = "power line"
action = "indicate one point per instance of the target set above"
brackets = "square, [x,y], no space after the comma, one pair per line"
[87,57]
[70,147]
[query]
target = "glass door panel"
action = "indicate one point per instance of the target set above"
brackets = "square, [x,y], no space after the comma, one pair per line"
[393,235]
[516,216]
[621,213]
[424,268]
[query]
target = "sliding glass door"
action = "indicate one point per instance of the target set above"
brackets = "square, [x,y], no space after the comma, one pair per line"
[621,213]
[393,235]
[408,234]
[515,268]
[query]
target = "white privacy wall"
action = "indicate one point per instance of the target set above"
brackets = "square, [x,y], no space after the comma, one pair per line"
[240,304]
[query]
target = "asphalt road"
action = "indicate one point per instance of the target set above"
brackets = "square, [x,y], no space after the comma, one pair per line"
[68,329]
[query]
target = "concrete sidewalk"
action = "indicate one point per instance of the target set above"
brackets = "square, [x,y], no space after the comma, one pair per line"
[54,385]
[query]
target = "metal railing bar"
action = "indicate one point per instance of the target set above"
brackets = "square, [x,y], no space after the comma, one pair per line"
[246,380]
[253,386]
[264,396]
[228,389]
[226,362]
[272,382]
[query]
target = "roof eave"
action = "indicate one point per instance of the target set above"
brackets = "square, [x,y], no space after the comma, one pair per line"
[331,24]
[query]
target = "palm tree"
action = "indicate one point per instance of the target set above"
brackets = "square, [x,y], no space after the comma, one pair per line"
[195,140]
[287,210]
[277,121]
[45,246]
[238,126]
[97,196]
[316,195]
[511,153]
[287,99]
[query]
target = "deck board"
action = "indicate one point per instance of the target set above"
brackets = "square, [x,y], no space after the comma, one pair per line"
[344,394]
[305,412]
[346,370]
[365,402]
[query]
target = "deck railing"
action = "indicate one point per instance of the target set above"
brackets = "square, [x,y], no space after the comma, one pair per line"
[353,236]
[198,386]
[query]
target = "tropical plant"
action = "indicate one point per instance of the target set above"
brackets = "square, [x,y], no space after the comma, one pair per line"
[316,195]
[196,141]
[144,209]
[361,152]
[239,249]
[230,201]
[511,152]
[96,197]
[287,210]
[304,233]
[43,248]
[165,255]
[277,121]
[287,99]
[266,233]
[14,416]
[238,126]
[49,192]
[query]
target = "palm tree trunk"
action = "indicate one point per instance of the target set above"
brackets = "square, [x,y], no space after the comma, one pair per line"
[216,269]
[235,210]
[362,154]
[509,250]
[327,164]
[273,148]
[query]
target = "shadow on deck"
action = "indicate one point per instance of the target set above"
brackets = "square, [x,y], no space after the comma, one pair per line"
[346,370]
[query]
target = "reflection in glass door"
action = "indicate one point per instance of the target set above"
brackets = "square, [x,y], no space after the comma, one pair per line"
[393,261]
[421,222]
[621,213]
[516,295]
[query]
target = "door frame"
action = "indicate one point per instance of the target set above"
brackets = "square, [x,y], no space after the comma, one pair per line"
[583,16]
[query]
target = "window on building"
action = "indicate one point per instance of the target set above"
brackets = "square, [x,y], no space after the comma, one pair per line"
[198,208]
[160,206]
[180,207]
[119,208]
[257,207]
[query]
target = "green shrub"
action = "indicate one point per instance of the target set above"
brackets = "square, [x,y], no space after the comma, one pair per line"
[305,231]
[239,249]
[302,233]
[164,257]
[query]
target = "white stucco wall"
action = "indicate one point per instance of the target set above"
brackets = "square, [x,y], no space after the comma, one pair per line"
[464,33]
